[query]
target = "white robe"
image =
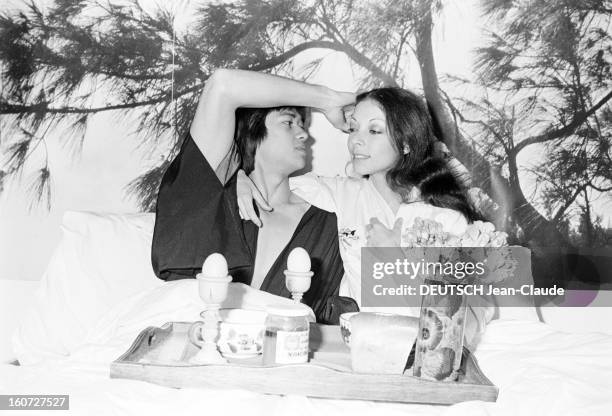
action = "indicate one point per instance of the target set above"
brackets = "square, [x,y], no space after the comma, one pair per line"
[355,201]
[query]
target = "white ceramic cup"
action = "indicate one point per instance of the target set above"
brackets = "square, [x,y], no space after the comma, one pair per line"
[240,335]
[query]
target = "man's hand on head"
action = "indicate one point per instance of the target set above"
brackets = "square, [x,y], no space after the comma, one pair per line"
[339,109]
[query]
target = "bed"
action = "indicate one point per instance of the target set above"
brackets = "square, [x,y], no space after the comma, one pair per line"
[99,292]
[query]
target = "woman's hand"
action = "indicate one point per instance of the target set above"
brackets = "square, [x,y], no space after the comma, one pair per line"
[246,192]
[338,109]
[377,235]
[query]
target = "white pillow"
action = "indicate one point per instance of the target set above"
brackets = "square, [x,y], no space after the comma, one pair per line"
[102,260]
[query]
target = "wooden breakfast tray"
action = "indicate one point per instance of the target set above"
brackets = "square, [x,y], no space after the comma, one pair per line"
[160,355]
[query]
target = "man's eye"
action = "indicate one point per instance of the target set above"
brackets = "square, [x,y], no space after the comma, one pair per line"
[351,129]
[288,122]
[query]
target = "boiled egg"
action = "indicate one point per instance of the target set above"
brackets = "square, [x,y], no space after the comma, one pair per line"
[215,265]
[298,260]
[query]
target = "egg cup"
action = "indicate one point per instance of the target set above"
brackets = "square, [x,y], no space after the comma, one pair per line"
[298,283]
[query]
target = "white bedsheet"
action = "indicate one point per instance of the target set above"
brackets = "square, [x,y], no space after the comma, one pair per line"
[539,370]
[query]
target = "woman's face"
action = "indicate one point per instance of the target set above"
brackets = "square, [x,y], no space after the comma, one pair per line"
[284,147]
[369,141]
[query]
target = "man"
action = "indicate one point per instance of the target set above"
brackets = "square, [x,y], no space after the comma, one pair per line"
[197,208]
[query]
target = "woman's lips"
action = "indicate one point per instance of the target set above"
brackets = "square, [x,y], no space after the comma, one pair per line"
[360,156]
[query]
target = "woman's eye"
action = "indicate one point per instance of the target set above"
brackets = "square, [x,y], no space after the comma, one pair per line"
[288,122]
[372,131]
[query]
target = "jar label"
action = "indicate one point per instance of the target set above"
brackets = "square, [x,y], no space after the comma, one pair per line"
[291,347]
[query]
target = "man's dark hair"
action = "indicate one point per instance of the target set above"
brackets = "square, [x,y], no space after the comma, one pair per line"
[250,131]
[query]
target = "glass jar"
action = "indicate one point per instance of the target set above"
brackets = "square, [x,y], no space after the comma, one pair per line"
[286,335]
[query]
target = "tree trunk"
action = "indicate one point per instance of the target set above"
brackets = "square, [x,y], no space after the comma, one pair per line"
[506,193]
[588,223]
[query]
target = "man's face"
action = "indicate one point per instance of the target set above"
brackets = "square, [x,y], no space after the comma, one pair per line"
[284,147]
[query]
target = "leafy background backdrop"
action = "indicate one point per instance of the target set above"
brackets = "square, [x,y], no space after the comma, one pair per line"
[96,96]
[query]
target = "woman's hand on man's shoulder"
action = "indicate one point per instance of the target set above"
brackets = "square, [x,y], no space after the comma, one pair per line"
[246,193]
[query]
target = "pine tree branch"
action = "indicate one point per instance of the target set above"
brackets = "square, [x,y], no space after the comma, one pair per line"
[455,110]
[364,62]
[360,59]
[567,203]
[285,56]
[600,189]
[563,131]
[8,108]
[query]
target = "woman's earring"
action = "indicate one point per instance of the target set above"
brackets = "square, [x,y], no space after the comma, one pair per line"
[406,150]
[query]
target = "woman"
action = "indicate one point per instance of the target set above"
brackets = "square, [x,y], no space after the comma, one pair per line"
[197,210]
[391,142]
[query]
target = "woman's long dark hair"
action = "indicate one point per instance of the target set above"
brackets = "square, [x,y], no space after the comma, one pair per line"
[410,126]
